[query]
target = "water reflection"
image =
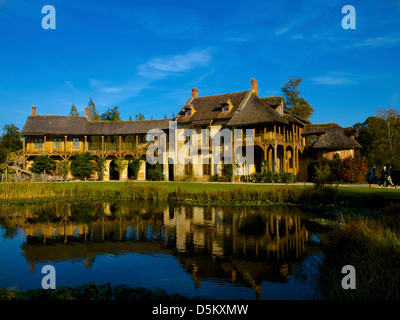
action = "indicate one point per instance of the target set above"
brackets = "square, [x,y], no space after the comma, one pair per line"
[233,245]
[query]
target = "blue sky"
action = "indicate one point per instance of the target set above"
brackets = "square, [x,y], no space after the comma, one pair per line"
[147,56]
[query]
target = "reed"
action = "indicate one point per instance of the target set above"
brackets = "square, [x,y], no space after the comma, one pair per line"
[131,190]
[374,251]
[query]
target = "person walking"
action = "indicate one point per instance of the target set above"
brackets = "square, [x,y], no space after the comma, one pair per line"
[374,174]
[383,177]
[371,176]
[389,176]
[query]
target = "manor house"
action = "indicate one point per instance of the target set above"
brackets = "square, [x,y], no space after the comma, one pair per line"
[282,142]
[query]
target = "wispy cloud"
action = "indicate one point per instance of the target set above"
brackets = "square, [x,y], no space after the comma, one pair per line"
[297,36]
[335,79]
[161,67]
[378,41]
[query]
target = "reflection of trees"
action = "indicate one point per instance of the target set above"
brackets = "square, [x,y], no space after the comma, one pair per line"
[240,245]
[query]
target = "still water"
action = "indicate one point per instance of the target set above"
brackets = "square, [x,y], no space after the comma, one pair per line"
[219,252]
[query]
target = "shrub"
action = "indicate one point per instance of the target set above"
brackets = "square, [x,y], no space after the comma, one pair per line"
[82,165]
[42,164]
[256,177]
[155,175]
[288,177]
[134,165]
[354,170]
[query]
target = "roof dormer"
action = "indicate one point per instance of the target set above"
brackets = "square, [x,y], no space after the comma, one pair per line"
[226,106]
[189,110]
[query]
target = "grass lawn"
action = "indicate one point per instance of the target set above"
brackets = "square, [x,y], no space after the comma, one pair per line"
[193,187]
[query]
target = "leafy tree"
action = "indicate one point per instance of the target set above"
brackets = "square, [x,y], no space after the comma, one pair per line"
[380,138]
[101,167]
[64,168]
[82,165]
[43,164]
[134,165]
[294,103]
[121,165]
[10,141]
[111,115]
[93,115]
[74,111]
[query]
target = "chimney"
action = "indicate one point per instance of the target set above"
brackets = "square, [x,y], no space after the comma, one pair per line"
[87,112]
[195,93]
[254,86]
[33,110]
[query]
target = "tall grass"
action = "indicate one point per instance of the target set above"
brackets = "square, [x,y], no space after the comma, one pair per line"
[43,191]
[372,246]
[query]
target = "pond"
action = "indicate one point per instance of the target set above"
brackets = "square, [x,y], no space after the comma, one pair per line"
[219,252]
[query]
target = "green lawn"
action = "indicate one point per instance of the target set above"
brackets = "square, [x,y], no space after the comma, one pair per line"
[356,192]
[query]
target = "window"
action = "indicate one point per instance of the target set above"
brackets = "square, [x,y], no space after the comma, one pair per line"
[206,169]
[188,112]
[75,143]
[188,168]
[57,143]
[225,107]
[38,143]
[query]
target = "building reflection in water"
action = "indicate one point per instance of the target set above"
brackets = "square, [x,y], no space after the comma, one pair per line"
[237,245]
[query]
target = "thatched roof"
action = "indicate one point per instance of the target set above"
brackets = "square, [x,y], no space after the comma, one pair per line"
[255,111]
[76,125]
[273,101]
[296,119]
[330,136]
[210,107]
[319,129]
[56,125]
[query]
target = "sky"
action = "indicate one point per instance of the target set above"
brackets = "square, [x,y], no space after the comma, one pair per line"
[146,56]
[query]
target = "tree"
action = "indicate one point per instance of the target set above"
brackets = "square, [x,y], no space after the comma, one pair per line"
[82,165]
[111,115]
[64,168]
[101,167]
[10,141]
[134,165]
[295,104]
[380,138]
[120,164]
[139,117]
[93,115]
[74,111]
[43,164]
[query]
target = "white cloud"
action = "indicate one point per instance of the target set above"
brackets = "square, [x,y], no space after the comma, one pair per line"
[161,67]
[336,79]
[281,31]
